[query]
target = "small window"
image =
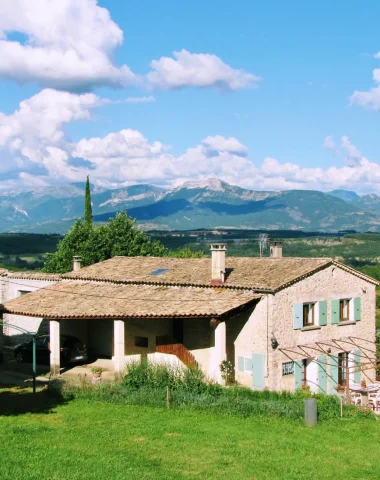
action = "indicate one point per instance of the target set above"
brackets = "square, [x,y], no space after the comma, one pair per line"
[308,314]
[23,292]
[342,359]
[141,342]
[288,368]
[344,310]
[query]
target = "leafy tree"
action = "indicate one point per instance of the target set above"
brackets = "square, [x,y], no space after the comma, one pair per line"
[87,204]
[120,236]
[186,252]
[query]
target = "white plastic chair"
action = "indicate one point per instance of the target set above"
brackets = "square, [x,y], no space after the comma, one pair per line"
[374,400]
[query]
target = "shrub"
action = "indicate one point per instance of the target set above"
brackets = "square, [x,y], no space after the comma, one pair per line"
[148,383]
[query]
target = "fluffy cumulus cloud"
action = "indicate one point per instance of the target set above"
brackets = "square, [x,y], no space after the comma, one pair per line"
[197,70]
[348,151]
[70,45]
[33,136]
[65,44]
[371,98]
[35,150]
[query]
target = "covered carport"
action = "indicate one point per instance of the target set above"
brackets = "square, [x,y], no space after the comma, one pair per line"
[108,312]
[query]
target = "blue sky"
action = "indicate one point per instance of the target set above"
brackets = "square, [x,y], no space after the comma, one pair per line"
[263,96]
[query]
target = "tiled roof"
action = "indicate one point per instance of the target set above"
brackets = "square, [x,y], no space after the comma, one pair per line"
[54,277]
[242,272]
[73,299]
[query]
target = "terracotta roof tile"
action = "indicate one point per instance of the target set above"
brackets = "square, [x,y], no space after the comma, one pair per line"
[54,277]
[242,272]
[73,299]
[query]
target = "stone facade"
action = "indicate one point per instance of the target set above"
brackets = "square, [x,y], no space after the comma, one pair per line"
[275,314]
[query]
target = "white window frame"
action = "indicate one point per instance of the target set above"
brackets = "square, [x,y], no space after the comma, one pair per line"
[285,374]
[316,313]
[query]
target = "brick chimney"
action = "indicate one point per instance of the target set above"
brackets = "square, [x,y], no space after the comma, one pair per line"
[218,262]
[76,263]
[276,249]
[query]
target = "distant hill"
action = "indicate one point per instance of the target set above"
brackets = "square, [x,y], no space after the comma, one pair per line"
[346,195]
[209,203]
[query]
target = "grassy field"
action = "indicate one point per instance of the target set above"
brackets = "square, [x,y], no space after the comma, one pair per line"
[84,440]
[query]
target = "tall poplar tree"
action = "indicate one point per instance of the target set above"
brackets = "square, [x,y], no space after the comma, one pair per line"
[87,204]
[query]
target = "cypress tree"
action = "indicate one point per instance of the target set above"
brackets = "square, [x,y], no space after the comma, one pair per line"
[87,204]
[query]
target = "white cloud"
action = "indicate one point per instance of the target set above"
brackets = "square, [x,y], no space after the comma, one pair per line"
[329,144]
[197,70]
[70,44]
[370,99]
[35,149]
[353,155]
[222,144]
[149,99]
[29,135]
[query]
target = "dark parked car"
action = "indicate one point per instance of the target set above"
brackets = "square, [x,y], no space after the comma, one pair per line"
[72,350]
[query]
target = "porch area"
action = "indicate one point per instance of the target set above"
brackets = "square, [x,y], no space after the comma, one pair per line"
[126,322]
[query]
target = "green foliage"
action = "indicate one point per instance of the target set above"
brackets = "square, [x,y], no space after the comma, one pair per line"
[119,236]
[227,370]
[87,204]
[186,252]
[95,243]
[146,383]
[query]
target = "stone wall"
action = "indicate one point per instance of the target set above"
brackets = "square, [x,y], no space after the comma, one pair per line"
[328,284]
[274,313]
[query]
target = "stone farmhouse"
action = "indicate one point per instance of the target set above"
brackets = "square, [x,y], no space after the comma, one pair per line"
[281,322]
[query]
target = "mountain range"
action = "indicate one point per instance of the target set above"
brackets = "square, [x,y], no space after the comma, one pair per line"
[209,203]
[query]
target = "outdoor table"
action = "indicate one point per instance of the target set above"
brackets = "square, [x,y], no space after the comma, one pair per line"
[364,391]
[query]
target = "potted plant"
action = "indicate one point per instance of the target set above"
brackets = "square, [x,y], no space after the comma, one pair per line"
[363,383]
[96,372]
[339,388]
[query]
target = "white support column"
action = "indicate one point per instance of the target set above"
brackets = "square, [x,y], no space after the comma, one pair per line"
[220,350]
[55,347]
[119,345]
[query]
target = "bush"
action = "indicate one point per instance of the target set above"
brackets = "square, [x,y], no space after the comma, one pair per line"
[148,384]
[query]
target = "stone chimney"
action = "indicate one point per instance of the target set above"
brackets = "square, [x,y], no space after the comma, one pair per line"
[218,262]
[76,263]
[276,249]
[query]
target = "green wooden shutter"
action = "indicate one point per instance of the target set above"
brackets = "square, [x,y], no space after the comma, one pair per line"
[297,316]
[357,309]
[333,374]
[241,364]
[323,313]
[335,311]
[248,364]
[322,374]
[298,373]
[357,374]
[258,371]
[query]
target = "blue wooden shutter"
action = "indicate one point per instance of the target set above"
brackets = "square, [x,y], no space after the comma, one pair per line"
[248,364]
[323,313]
[297,316]
[333,374]
[298,373]
[322,374]
[357,374]
[335,313]
[258,371]
[357,309]
[241,364]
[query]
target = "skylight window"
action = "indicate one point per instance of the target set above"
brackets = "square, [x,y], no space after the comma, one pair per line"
[159,271]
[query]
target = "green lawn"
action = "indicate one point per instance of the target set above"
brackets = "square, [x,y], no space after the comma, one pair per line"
[93,440]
